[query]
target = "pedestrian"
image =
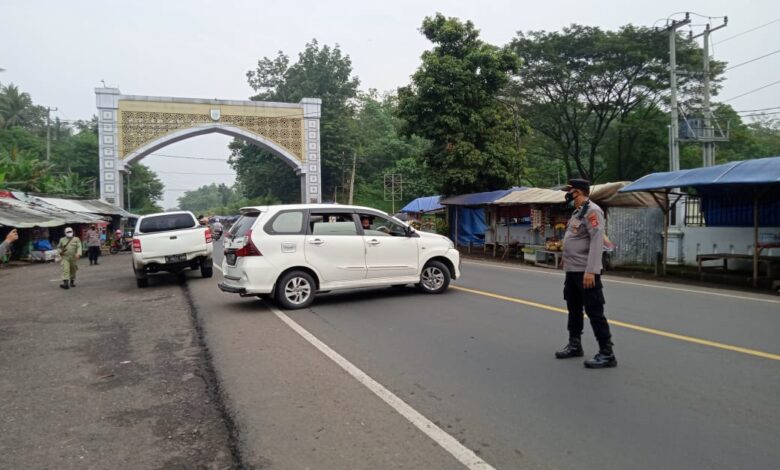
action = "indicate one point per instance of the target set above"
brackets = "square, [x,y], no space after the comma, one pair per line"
[5,245]
[70,250]
[93,245]
[583,245]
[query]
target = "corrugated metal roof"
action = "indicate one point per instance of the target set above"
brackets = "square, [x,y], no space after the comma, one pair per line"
[533,196]
[15,213]
[477,199]
[88,206]
[606,194]
[757,172]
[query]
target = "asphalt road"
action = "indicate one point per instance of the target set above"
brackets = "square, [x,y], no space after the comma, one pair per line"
[698,385]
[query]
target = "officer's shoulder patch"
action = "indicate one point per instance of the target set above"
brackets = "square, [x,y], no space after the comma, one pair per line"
[594,219]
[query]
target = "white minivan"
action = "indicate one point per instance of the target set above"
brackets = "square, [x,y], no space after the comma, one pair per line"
[291,252]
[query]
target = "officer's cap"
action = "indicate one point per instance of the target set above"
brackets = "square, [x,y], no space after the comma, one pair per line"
[577,183]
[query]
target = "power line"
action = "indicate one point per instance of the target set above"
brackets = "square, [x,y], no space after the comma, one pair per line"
[752,60]
[752,91]
[754,110]
[185,173]
[759,114]
[223,160]
[748,31]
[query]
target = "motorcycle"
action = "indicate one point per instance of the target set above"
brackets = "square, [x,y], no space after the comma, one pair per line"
[120,245]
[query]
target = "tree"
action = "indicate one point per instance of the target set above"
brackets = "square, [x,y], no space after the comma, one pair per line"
[380,148]
[146,190]
[575,84]
[453,103]
[24,171]
[206,198]
[320,71]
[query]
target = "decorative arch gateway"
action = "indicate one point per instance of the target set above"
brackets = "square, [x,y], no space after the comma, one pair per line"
[132,127]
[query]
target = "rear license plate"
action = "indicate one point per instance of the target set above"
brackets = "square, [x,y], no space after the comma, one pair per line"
[230,258]
[175,258]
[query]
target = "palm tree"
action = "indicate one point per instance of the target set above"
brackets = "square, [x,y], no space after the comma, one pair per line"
[14,106]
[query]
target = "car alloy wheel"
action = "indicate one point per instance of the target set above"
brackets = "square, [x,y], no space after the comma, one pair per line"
[297,290]
[432,278]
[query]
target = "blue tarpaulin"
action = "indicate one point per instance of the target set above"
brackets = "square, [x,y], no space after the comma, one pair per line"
[470,225]
[423,204]
[746,172]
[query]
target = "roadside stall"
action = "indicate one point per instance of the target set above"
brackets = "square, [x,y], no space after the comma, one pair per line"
[540,240]
[466,214]
[737,194]
[425,213]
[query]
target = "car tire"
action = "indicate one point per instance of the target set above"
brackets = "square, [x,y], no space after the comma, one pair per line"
[206,271]
[142,282]
[295,290]
[435,278]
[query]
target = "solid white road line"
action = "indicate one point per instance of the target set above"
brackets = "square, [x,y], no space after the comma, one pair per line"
[464,455]
[631,283]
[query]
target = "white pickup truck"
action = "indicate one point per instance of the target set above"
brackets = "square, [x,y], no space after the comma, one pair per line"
[171,242]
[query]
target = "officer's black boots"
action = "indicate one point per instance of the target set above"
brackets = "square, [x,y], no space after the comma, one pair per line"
[65,285]
[72,283]
[605,358]
[573,349]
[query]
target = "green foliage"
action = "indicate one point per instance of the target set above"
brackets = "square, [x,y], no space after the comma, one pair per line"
[24,171]
[453,102]
[263,174]
[146,190]
[220,199]
[589,94]
[320,71]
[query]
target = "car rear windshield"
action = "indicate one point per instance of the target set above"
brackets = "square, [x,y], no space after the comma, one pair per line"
[244,224]
[166,222]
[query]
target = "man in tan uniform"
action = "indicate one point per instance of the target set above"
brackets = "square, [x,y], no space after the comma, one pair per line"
[70,250]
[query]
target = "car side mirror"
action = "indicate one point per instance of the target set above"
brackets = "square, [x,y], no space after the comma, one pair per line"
[408,231]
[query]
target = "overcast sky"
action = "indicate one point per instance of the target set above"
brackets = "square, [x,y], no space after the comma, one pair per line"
[60,51]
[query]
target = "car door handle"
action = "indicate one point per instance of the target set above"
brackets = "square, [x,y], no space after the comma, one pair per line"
[316,242]
[373,242]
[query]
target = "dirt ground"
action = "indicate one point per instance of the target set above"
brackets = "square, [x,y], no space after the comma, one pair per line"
[106,375]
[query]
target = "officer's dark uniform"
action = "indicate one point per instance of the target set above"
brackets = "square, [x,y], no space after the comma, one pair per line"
[583,246]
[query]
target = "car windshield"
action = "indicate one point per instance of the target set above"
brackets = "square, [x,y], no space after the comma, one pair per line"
[166,222]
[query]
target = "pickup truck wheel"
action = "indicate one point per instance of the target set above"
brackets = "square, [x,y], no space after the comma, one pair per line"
[142,282]
[206,271]
[295,290]
[435,278]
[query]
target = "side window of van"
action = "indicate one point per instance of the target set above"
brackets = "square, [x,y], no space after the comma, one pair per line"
[324,223]
[286,223]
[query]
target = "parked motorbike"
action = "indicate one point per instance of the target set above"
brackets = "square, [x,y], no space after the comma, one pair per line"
[120,245]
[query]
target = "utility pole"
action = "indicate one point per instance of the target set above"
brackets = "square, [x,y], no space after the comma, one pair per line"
[708,144]
[674,145]
[128,190]
[352,179]
[48,132]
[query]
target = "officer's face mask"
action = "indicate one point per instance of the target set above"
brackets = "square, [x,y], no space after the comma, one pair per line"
[69,233]
[570,199]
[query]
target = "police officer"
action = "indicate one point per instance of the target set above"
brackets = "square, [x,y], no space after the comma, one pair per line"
[70,250]
[582,249]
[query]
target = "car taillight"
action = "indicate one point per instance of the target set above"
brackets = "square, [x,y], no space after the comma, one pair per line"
[249,248]
[208,235]
[136,245]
